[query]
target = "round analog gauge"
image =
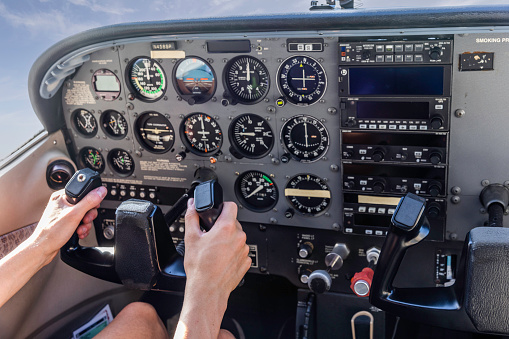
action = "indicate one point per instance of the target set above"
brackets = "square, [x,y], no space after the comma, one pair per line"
[247,79]
[154,132]
[256,191]
[114,124]
[92,158]
[121,161]
[147,78]
[106,84]
[84,122]
[201,133]
[302,80]
[251,136]
[308,194]
[194,80]
[305,138]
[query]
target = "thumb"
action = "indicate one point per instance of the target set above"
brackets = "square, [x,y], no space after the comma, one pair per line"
[192,221]
[91,200]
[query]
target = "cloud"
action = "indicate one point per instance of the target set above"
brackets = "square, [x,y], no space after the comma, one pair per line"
[117,8]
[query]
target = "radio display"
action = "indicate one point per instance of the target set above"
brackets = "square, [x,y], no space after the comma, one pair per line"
[392,110]
[397,80]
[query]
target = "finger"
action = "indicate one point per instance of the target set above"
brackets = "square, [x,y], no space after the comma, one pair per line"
[90,216]
[91,200]
[229,212]
[84,228]
[192,221]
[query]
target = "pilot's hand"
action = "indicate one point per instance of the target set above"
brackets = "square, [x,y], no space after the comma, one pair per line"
[60,219]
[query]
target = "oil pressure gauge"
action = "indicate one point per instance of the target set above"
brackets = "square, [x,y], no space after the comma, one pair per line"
[121,162]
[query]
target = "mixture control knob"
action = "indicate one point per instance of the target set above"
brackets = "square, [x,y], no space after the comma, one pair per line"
[378,155]
[434,53]
[361,282]
[180,156]
[319,281]
[378,187]
[305,250]
[435,158]
[437,122]
[335,259]
[434,188]
[109,232]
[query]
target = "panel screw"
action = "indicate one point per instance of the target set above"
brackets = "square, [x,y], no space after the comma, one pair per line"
[459,113]
[485,182]
[455,199]
[453,236]
[273,220]
[334,168]
[456,190]
[271,109]
[263,228]
[335,226]
[332,110]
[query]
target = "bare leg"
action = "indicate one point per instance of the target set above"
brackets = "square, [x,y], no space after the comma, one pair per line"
[136,320]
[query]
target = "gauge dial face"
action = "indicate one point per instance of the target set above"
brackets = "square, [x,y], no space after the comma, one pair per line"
[195,80]
[256,191]
[308,194]
[114,124]
[106,84]
[147,78]
[201,133]
[154,132]
[121,162]
[247,79]
[302,80]
[305,138]
[84,122]
[92,158]
[251,136]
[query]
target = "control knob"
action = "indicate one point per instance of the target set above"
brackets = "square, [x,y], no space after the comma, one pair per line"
[305,250]
[366,55]
[109,232]
[180,156]
[351,122]
[349,184]
[434,188]
[435,158]
[434,53]
[335,259]
[361,282]
[319,281]
[437,122]
[433,210]
[378,155]
[378,187]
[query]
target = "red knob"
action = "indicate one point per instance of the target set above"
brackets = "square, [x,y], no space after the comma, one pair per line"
[361,282]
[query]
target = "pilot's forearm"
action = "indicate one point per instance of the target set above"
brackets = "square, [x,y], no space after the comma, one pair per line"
[18,267]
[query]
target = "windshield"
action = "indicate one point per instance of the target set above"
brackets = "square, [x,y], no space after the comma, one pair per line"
[30,27]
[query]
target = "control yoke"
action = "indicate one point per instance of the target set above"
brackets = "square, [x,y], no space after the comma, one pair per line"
[144,256]
[475,303]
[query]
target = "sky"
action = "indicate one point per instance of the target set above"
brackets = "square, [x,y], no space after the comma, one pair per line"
[29,27]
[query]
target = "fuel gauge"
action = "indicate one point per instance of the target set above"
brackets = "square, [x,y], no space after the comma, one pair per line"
[92,158]
[121,162]
[114,124]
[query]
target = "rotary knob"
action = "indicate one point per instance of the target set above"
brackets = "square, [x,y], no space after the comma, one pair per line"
[378,187]
[336,258]
[435,158]
[437,122]
[366,55]
[378,155]
[434,53]
[433,210]
[305,250]
[434,188]
[319,281]
[180,156]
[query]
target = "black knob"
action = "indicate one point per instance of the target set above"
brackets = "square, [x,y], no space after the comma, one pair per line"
[433,210]
[305,250]
[434,53]
[319,281]
[289,213]
[285,158]
[434,188]
[366,55]
[378,187]
[348,154]
[437,122]
[180,156]
[351,122]
[435,158]
[349,184]
[378,155]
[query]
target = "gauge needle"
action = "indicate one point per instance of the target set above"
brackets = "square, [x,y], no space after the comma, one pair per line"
[258,189]
[248,76]
[306,133]
[249,134]
[148,74]
[202,126]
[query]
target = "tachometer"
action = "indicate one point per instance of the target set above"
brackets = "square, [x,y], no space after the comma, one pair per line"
[84,123]
[147,78]
[302,80]
[247,79]
[194,80]
[251,136]
[305,138]
[256,191]
[92,158]
[154,132]
[121,162]
[308,194]
[201,134]
[114,124]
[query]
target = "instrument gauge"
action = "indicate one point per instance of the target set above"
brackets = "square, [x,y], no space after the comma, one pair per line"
[305,138]
[155,132]
[247,79]
[92,158]
[302,80]
[84,122]
[195,80]
[147,79]
[121,162]
[256,191]
[114,124]
[308,194]
[106,84]
[201,134]
[251,136]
